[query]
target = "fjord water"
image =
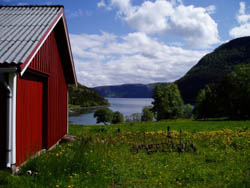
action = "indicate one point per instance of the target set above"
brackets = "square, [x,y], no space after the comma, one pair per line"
[126,106]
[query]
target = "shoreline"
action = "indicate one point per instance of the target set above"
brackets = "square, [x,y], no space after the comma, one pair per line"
[78,110]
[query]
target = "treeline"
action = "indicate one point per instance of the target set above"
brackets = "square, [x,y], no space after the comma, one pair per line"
[229,98]
[107,116]
[85,97]
[167,104]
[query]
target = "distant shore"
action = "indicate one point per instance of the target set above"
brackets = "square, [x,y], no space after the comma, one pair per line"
[78,110]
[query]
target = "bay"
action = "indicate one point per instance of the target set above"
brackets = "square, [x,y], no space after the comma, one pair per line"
[126,106]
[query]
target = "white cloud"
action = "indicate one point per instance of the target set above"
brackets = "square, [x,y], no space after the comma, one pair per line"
[240,31]
[74,14]
[192,24]
[243,20]
[101,3]
[211,9]
[21,4]
[108,59]
[242,17]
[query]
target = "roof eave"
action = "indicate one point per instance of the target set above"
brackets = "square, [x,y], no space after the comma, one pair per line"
[69,50]
[29,59]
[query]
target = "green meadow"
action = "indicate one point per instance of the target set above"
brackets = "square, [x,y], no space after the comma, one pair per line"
[181,153]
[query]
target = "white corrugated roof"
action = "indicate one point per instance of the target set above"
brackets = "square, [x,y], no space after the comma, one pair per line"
[21,27]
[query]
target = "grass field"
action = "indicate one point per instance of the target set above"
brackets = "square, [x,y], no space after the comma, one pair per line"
[190,154]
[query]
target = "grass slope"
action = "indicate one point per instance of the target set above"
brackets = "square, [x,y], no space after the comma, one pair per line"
[113,156]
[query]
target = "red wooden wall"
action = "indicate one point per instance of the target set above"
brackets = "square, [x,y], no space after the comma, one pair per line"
[30,113]
[3,125]
[47,68]
[57,97]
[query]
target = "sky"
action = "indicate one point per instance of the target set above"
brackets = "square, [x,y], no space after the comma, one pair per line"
[146,41]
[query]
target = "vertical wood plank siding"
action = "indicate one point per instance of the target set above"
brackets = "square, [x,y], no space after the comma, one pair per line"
[48,62]
[30,118]
[3,125]
[57,95]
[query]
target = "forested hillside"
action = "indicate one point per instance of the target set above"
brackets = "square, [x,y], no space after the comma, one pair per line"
[214,66]
[85,97]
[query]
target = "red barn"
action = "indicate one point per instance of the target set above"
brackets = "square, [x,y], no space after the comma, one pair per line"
[36,65]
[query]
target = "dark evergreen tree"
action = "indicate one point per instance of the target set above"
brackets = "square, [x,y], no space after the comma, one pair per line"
[200,106]
[229,98]
[238,83]
[206,103]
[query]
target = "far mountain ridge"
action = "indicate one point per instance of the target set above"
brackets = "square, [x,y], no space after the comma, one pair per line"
[127,90]
[139,84]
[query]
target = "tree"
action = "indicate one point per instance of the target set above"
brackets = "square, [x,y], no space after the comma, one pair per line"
[103,115]
[205,106]
[188,111]
[238,85]
[117,117]
[229,98]
[147,114]
[135,117]
[200,106]
[167,103]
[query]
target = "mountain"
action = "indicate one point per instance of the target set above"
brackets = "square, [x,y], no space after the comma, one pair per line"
[85,97]
[210,69]
[213,67]
[127,90]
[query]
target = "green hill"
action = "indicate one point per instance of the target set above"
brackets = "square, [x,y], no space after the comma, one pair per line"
[214,66]
[85,97]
